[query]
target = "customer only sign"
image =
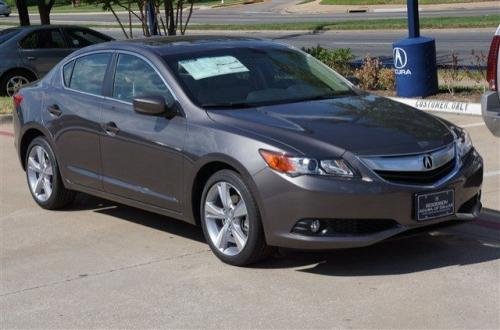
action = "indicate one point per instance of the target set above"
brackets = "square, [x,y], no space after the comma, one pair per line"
[442,106]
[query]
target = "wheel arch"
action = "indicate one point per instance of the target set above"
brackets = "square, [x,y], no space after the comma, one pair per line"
[205,169]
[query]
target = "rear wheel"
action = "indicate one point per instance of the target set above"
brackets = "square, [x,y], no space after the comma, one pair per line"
[12,81]
[231,220]
[44,179]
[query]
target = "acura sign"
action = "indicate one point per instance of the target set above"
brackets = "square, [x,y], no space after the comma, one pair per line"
[400,61]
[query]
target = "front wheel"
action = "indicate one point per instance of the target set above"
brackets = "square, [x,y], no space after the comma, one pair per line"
[231,220]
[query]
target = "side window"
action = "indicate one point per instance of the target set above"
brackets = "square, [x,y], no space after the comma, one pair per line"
[67,71]
[83,38]
[43,39]
[134,78]
[88,73]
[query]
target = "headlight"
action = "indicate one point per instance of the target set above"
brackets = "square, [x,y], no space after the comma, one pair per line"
[295,166]
[463,141]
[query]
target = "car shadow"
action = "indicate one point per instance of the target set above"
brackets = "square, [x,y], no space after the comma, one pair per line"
[152,220]
[438,249]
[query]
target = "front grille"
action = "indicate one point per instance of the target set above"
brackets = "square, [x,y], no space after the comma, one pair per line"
[418,177]
[345,227]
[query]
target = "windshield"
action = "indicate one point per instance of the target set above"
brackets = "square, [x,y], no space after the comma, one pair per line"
[8,33]
[249,77]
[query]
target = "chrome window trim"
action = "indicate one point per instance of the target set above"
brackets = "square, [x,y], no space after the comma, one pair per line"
[411,163]
[118,52]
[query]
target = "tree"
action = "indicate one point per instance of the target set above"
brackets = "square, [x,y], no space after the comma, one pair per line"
[22,9]
[44,9]
[172,16]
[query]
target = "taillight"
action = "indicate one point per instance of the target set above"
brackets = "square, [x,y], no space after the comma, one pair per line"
[17,98]
[491,75]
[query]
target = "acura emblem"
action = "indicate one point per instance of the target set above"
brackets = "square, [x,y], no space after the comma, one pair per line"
[400,58]
[428,162]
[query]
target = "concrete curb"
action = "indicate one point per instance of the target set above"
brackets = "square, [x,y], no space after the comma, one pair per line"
[464,108]
[5,119]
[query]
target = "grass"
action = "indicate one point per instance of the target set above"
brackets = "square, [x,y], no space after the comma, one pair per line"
[379,24]
[486,21]
[391,2]
[86,7]
[5,105]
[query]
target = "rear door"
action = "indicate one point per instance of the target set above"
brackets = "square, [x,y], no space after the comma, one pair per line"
[74,109]
[141,154]
[43,49]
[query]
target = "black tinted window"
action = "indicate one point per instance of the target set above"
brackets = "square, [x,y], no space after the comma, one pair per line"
[43,39]
[135,78]
[88,73]
[83,38]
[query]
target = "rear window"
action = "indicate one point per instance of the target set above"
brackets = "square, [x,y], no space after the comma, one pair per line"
[7,34]
[88,73]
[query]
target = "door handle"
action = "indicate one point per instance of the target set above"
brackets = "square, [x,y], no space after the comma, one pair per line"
[54,110]
[31,58]
[110,128]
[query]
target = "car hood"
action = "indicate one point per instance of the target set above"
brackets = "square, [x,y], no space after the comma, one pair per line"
[364,125]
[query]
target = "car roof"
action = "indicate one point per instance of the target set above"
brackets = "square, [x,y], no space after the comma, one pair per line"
[169,45]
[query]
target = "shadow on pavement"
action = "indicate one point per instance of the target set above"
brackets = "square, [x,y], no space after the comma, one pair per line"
[151,220]
[398,256]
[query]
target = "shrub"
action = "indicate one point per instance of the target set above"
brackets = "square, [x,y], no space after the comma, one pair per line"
[338,59]
[368,74]
[387,79]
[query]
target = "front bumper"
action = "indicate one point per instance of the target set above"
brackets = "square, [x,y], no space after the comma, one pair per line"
[285,200]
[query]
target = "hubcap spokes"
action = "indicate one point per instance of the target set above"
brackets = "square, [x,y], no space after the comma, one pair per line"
[40,173]
[14,84]
[226,218]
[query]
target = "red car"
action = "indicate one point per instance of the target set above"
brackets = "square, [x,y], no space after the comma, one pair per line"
[490,101]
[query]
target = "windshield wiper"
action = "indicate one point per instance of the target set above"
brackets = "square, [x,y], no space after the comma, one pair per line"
[229,105]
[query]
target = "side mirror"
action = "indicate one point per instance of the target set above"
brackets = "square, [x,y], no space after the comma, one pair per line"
[153,106]
[353,80]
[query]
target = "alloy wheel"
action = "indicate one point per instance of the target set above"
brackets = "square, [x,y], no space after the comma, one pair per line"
[226,218]
[40,173]
[14,83]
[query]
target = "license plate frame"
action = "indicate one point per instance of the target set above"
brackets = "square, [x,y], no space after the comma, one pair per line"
[437,211]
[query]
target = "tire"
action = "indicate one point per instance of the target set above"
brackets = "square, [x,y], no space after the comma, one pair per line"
[255,247]
[14,79]
[7,15]
[45,185]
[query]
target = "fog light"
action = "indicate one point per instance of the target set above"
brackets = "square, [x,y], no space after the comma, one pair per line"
[315,226]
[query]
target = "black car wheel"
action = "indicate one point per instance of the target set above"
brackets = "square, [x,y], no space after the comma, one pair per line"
[12,81]
[231,220]
[44,179]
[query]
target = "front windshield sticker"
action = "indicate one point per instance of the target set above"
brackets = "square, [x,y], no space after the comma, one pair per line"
[207,67]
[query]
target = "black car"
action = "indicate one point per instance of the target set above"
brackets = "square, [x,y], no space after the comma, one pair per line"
[28,53]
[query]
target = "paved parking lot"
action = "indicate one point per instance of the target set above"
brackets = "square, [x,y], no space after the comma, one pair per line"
[99,264]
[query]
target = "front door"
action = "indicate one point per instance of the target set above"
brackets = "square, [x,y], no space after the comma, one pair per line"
[141,154]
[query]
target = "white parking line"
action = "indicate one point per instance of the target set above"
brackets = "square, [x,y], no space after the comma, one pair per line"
[473,125]
[491,173]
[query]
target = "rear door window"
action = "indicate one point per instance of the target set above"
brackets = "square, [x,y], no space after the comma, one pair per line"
[44,39]
[88,73]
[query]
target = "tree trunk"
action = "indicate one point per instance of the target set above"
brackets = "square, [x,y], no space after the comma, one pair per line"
[44,11]
[22,9]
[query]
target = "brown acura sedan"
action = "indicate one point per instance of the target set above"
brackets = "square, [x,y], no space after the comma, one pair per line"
[259,143]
